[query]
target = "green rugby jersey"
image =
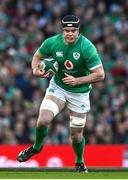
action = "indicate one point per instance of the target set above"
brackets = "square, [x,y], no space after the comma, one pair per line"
[76,59]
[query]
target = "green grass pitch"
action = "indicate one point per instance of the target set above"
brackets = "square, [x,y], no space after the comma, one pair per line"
[62,174]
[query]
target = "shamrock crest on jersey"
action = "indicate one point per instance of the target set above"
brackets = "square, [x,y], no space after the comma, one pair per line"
[76,55]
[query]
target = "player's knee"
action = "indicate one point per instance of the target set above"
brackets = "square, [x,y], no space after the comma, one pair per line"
[44,119]
[42,123]
[77,137]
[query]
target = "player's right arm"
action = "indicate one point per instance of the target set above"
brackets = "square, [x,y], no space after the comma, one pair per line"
[36,66]
[42,52]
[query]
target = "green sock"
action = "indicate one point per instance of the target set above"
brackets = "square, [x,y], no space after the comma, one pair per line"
[79,150]
[41,133]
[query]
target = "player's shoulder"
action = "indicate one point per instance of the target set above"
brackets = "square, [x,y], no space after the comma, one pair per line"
[85,39]
[86,42]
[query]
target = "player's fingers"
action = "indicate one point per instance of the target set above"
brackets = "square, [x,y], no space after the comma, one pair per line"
[42,71]
[67,75]
[39,65]
[65,79]
[47,74]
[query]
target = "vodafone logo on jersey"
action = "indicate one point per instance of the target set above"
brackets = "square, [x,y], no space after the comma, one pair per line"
[68,64]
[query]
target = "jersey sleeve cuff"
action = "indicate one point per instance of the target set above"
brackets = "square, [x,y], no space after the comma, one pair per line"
[95,66]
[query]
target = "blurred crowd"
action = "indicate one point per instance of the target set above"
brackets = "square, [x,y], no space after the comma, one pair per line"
[23,27]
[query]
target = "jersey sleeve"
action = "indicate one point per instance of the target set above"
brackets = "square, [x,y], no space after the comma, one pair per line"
[91,56]
[45,50]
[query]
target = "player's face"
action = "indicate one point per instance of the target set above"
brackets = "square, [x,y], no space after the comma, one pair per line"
[70,34]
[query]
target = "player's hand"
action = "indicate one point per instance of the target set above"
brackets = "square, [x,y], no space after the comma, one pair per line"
[70,80]
[40,73]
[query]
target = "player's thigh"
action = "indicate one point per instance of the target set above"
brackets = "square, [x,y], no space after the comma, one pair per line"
[49,108]
[78,102]
[60,103]
[76,114]
[56,95]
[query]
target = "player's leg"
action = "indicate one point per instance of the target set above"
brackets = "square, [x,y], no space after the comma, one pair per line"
[49,108]
[77,123]
[79,105]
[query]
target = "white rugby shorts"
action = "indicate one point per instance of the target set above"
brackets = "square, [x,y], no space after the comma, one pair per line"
[77,102]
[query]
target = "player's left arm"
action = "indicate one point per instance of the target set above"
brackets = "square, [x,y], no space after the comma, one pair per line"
[96,75]
[94,64]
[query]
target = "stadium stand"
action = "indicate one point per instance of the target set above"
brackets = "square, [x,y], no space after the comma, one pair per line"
[23,27]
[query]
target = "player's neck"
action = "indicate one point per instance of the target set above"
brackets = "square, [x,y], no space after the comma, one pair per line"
[72,43]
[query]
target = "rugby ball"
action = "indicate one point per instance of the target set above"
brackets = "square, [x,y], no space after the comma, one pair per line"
[49,65]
